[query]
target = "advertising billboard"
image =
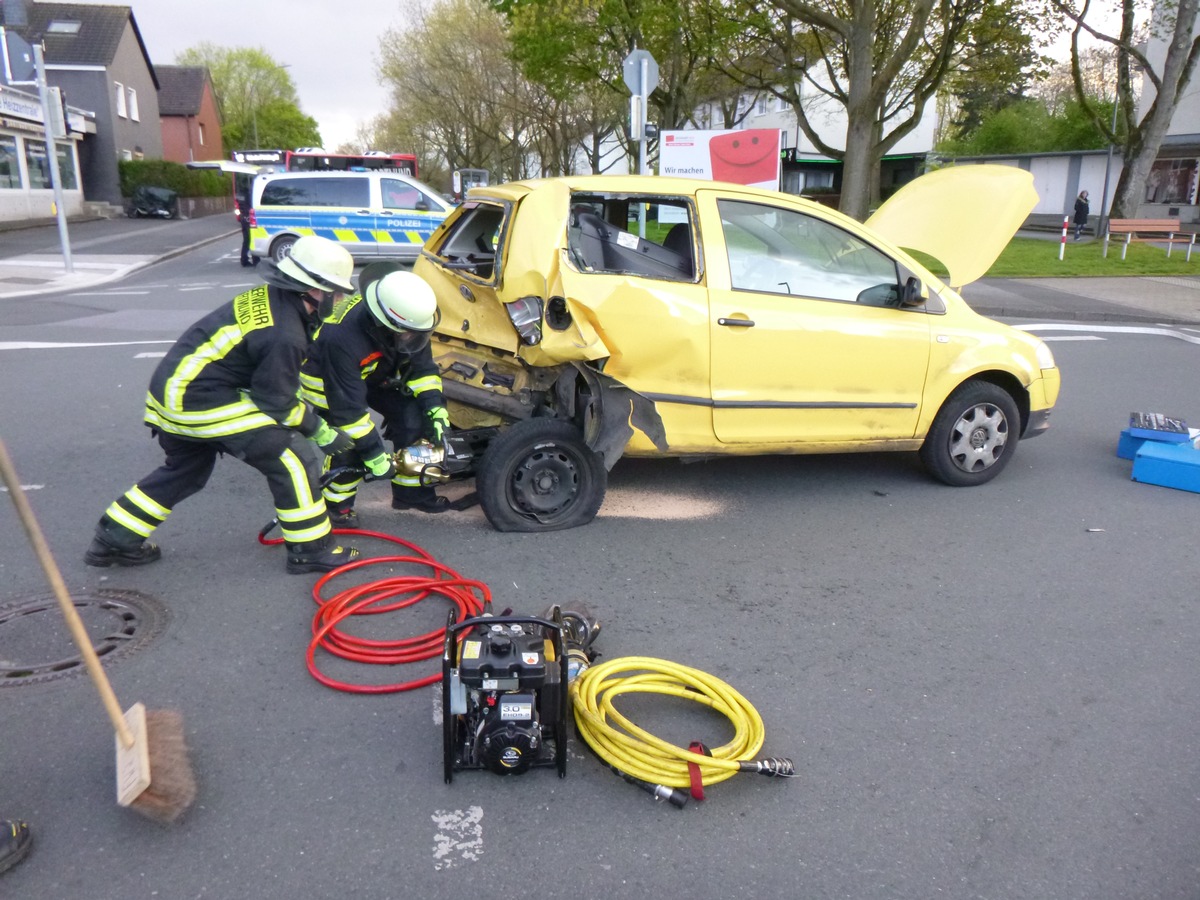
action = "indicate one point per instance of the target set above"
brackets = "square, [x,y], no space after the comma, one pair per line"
[748,157]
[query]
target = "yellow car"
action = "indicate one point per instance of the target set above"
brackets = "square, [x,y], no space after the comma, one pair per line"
[583,318]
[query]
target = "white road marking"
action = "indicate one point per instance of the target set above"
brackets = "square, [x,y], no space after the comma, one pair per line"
[106,293]
[459,837]
[155,355]
[1077,337]
[1164,330]
[24,487]
[46,345]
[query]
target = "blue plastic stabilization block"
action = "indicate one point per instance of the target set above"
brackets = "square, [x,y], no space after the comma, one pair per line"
[1127,445]
[1169,465]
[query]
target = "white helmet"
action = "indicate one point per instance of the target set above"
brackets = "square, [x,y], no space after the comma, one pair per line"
[319,263]
[402,301]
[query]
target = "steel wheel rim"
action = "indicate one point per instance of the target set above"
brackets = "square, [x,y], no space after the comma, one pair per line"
[546,483]
[978,438]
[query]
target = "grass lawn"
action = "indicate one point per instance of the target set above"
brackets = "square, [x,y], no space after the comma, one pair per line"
[1034,258]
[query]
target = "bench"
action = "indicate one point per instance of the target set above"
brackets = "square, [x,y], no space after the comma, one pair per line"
[1158,231]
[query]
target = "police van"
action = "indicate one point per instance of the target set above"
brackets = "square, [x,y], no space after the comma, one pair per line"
[374,215]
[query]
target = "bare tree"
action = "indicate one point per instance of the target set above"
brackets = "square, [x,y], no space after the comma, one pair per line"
[881,61]
[1168,74]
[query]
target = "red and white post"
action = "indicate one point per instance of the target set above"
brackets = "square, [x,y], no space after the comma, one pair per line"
[1063,244]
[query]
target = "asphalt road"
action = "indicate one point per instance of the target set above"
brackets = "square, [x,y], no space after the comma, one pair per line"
[988,692]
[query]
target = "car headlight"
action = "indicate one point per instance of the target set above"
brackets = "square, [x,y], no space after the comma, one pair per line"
[526,316]
[1045,358]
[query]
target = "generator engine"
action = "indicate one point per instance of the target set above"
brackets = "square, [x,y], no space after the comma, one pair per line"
[504,694]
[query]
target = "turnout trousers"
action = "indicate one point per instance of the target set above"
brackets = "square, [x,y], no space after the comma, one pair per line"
[281,454]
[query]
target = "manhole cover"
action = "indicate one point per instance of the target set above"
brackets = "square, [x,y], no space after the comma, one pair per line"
[36,645]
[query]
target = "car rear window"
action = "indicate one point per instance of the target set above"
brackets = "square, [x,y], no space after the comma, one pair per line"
[347,192]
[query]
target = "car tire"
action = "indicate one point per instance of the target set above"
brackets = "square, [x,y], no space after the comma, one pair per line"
[973,436]
[539,475]
[282,248]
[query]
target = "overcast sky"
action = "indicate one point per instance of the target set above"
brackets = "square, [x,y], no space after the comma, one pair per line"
[329,47]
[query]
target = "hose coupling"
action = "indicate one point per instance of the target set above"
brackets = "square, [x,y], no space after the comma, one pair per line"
[772,767]
[674,796]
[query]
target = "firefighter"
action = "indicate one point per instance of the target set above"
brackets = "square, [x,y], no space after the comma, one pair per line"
[231,385]
[373,353]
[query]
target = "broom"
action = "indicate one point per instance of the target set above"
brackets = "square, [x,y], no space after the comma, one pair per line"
[154,776]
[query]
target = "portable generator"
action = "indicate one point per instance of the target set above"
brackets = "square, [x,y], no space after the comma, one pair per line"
[504,694]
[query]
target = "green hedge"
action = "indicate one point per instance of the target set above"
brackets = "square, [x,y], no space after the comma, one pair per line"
[179,178]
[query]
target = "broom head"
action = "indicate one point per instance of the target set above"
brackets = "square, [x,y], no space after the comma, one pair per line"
[154,775]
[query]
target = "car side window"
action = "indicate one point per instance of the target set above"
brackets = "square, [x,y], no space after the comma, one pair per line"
[343,192]
[399,194]
[781,251]
[650,237]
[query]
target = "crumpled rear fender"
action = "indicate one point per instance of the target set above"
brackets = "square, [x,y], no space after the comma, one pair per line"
[613,411]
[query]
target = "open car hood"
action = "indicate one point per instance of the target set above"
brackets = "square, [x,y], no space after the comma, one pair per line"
[963,216]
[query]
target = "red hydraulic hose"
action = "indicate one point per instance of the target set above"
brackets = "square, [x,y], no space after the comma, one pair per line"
[383,596]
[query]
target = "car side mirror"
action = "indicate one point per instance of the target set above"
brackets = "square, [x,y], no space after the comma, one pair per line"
[910,293]
[422,205]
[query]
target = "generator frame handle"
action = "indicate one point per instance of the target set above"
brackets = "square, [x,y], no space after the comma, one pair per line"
[449,662]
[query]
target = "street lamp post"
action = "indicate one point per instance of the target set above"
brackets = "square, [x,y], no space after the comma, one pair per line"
[1104,204]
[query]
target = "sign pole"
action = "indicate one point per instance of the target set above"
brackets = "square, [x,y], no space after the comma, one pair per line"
[52,158]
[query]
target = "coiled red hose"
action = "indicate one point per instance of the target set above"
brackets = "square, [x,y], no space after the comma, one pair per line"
[383,596]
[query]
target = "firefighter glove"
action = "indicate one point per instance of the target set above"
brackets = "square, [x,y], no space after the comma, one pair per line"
[439,422]
[381,466]
[331,440]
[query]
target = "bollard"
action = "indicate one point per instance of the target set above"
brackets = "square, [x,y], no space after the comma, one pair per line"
[1063,244]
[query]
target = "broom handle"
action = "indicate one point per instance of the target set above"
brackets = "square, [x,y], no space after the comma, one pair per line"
[78,632]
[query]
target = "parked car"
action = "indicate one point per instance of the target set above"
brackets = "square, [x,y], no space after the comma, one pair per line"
[155,202]
[374,215]
[586,318]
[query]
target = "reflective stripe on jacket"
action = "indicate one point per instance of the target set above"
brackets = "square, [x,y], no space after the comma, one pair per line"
[236,369]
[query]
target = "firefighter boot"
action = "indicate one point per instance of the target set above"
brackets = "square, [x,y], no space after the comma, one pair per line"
[117,546]
[422,499]
[321,555]
[343,516]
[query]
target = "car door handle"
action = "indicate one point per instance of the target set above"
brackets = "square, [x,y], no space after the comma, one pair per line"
[739,323]
[364,212]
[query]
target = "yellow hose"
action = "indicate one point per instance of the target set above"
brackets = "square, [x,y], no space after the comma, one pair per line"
[637,752]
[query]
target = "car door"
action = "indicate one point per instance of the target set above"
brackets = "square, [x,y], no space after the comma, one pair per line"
[808,341]
[406,218]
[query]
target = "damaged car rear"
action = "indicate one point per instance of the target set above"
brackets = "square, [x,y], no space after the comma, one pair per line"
[585,318]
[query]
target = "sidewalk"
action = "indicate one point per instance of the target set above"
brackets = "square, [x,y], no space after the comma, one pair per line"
[101,250]
[104,250]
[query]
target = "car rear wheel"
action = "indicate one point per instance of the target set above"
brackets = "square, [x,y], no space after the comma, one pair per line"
[282,248]
[974,435]
[539,475]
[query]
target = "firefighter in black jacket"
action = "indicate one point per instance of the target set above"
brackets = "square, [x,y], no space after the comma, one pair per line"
[231,385]
[373,353]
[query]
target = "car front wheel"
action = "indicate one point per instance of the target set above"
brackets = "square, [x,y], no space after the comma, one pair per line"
[974,435]
[539,475]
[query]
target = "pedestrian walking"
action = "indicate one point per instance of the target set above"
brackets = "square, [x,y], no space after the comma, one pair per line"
[245,200]
[1081,213]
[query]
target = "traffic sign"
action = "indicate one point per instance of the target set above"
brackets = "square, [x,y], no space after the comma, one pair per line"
[633,72]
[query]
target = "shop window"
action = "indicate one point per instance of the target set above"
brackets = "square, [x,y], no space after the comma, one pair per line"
[67,176]
[119,93]
[38,164]
[10,170]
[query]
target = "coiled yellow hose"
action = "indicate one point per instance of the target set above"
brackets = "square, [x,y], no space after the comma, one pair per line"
[634,751]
